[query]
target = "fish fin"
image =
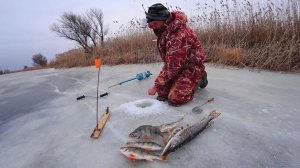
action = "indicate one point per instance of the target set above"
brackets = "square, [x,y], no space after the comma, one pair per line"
[132,157]
[165,141]
[163,158]
[147,150]
[146,138]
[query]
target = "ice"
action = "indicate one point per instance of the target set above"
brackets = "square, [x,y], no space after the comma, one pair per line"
[142,107]
[43,125]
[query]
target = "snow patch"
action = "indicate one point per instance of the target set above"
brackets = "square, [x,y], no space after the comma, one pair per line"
[142,107]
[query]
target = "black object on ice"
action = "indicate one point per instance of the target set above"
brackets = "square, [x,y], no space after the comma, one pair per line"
[83,96]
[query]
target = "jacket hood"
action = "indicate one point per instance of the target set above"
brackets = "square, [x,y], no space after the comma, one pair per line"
[178,19]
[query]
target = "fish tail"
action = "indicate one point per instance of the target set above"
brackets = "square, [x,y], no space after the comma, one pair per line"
[214,114]
[148,150]
[131,157]
[165,141]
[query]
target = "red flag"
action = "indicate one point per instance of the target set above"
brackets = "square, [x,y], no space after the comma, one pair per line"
[97,62]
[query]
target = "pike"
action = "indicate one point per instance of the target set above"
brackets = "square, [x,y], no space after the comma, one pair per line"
[147,146]
[184,136]
[139,154]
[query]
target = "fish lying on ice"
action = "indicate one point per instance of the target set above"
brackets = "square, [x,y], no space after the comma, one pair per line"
[146,132]
[167,128]
[174,132]
[149,131]
[187,134]
[148,146]
[139,154]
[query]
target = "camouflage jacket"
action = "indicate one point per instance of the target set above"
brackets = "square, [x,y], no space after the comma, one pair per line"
[179,48]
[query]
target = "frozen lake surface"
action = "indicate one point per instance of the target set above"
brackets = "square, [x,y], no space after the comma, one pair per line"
[43,125]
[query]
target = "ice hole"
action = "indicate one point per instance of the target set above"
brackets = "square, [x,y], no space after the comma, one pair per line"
[144,104]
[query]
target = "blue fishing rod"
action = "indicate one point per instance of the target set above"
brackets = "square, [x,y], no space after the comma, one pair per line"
[139,76]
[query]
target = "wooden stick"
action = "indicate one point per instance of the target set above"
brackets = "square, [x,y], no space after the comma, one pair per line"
[101,123]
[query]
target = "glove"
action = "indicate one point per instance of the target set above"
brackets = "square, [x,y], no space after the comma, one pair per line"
[152,91]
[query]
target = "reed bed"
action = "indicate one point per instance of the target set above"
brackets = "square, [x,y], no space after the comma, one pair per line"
[260,35]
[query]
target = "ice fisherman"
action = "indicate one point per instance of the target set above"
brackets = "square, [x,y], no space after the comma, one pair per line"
[180,49]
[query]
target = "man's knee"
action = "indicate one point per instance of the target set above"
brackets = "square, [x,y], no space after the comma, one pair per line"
[177,100]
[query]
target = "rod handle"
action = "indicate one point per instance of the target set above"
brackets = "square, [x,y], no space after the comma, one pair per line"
[104,94]
[80,97]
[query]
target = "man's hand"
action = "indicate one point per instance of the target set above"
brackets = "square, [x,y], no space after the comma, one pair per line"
[152,91]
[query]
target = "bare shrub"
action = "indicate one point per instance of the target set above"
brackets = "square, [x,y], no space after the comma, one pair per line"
[39,60]
[87,31]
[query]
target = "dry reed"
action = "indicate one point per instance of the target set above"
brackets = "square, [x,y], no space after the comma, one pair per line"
[240,33]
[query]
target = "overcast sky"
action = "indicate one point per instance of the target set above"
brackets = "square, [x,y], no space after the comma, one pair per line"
[25,24]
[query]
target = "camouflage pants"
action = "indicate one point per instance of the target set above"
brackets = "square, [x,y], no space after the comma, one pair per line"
[181,89]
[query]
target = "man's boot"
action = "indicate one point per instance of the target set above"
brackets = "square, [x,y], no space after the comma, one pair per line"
[160,98]
[203,83]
